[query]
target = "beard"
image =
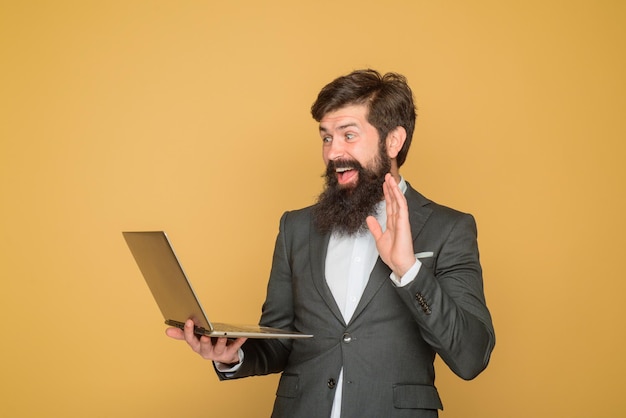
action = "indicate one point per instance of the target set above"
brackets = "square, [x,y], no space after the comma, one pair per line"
[343,209]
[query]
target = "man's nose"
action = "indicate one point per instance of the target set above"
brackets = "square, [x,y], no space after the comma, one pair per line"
[336,149]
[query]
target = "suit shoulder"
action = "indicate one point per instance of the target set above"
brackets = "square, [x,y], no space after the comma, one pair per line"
[297,216]
[448,211]
[438,210]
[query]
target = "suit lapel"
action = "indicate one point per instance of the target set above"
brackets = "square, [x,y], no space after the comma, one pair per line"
[380,274]
[418,211]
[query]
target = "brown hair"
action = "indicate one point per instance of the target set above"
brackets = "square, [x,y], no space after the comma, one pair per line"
[388,98]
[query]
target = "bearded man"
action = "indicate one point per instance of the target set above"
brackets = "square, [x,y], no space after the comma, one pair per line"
[384,278]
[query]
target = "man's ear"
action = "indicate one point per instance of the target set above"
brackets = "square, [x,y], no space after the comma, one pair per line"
[395,141]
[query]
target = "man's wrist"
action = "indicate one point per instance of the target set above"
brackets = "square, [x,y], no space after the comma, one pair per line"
[408,276]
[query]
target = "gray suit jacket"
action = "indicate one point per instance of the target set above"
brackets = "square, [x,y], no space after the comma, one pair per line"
[388,347]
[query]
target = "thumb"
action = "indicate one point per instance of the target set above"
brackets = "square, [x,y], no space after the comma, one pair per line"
[375,229]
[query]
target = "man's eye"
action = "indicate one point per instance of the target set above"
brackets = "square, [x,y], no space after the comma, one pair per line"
[350,136]
[327,139]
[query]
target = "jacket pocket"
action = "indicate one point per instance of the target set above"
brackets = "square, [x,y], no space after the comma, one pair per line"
[288,386]
[416,397]
[427,258]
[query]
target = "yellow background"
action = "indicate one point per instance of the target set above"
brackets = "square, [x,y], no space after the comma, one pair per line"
[193,117]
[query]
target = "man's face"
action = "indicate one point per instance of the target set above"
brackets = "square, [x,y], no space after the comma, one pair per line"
[356,165]
[348,137]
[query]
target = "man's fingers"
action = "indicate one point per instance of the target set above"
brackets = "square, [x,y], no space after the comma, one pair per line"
[219,346]
[222,345]
[220,349]
[175,333]
[395,200]
[190,337]
[236,345]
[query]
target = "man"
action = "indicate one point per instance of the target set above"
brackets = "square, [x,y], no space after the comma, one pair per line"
[383,278]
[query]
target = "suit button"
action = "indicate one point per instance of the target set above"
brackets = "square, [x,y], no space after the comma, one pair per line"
[347,338]
[331,383]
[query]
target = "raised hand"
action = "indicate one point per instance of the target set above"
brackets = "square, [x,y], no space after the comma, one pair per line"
[395,244]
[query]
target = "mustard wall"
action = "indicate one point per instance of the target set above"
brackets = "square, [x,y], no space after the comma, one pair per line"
[193,117]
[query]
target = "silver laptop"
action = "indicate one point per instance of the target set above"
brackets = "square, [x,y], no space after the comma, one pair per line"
[174,295]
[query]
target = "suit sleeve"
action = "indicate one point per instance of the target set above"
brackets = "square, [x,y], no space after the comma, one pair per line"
[447,299]
[265,356]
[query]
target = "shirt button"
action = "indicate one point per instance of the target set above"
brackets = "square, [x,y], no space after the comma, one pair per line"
[331,383]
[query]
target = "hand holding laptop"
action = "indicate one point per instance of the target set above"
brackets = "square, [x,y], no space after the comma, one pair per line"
[176,299]
[221,349]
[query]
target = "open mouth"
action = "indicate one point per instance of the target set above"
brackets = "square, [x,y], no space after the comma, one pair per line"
[346,175]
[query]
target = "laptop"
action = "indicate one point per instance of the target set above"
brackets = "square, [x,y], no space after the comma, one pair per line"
[174,295]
